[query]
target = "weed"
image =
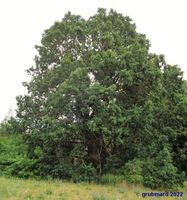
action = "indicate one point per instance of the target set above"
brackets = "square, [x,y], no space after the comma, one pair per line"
[48,192]
[111,179]
[99,197]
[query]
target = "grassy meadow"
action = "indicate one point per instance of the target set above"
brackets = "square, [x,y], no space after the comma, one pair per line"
[18,189]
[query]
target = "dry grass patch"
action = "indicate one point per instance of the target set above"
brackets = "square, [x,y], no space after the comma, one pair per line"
[17,189]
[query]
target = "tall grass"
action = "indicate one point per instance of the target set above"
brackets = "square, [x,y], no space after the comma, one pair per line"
[19,189]
[111,179]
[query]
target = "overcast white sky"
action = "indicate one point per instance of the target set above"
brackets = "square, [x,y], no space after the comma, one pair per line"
[22,23]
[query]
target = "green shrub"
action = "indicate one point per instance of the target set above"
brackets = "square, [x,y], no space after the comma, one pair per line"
[157,172]
[62,171]
[85,173]
[81,173]
[133,171]
[161,173]
[113,163]
[13,157]
[21,167]
[111,179]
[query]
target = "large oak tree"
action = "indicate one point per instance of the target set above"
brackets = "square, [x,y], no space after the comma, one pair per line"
[98,96]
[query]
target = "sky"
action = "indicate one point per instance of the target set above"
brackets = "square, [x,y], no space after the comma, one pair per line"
[22,23]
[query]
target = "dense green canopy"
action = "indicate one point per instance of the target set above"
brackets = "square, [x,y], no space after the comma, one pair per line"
[99,98]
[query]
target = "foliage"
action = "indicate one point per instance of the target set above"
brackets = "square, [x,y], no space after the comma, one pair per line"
[21,167]
[154,172]
[113,165]
[13,159]
[133,171]
[97,93]
[62,171]
[85,173]
[161,173]
[9,126]
[81,173]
